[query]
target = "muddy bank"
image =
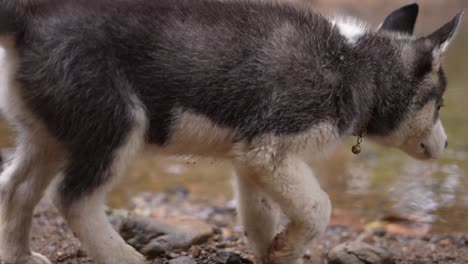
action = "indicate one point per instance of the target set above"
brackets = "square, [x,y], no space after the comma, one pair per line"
[212,226]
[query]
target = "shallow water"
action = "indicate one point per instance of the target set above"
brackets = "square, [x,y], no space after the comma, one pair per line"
[377,183]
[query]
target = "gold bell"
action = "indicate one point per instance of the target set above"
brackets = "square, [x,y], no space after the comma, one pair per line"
[356,149]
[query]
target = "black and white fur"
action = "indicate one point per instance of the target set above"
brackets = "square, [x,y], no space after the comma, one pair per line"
[87,84]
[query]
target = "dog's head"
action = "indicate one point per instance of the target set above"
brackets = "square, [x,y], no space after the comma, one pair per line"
[416,92]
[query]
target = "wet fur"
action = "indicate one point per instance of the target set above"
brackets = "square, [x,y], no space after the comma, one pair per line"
[88,84]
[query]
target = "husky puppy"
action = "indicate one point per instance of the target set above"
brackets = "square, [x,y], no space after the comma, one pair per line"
[87,84]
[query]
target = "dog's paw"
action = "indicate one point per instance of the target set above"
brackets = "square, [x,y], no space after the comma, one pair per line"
[135,256]
[280,252]
[37,258]
[276,247]
[34,258]
[123,255]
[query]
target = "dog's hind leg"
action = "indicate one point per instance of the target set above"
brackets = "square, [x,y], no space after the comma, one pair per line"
[26,174]
[86,179]
[258,214]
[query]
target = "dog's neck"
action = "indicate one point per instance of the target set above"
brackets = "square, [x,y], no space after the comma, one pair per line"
[366,95]
[383,101]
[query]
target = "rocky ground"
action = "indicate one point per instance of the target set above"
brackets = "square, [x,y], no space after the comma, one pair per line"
[172,228]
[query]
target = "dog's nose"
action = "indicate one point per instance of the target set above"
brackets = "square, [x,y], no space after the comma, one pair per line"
[446,143]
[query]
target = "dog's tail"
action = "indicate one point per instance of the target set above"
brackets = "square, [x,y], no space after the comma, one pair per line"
[13,14]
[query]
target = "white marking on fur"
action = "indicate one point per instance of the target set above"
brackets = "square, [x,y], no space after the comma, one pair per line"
[87,218]
[293,186]
[267,150]
[258,214]
[135,142]
[274,162]
[416,129]
[435,141]
[10,104]
[196,135]
[33,164]
[22,186]
[276,165]
[350,28]
[89,222]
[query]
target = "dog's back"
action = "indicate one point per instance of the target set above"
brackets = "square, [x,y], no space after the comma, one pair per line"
[241,65]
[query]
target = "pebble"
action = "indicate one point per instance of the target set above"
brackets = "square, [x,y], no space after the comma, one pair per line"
[154,237]
[183,260]
[226,233]
[172,255]
[228,257]
[359,253]
[195,251]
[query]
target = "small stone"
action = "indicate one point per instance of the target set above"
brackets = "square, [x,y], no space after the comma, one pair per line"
[172,255]
[195,251]
[217,231]
[154,237]
[359,253]
[444,242]
[183,260]
[379,232]
[227,257]
[226,233]
[51,248]
[80,253]
[221,245]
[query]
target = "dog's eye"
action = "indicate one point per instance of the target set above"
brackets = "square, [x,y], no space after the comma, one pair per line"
[440,104]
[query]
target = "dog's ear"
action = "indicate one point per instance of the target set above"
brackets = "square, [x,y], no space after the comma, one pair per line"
[433,47]
[441,38]
[401,20]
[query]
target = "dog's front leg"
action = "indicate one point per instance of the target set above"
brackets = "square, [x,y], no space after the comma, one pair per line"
[293,186]
[258,214]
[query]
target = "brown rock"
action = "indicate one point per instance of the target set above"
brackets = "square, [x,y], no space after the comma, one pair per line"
[154,237]
[359,253]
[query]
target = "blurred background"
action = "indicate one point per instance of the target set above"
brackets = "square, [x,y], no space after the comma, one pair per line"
[379,182]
